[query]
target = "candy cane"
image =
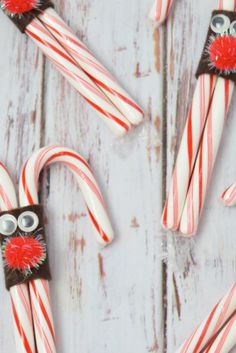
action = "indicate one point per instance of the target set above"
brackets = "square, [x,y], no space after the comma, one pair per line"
[20,300]
[206,157]
[77,77]
[211,325]
[160,11]
[228,197]
[226,339]
[28,195]
[188,151]
[86,60]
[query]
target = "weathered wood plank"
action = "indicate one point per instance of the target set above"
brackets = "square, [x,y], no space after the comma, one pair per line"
[147,291]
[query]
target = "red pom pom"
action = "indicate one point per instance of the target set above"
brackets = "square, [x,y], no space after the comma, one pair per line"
[222,53]
[24,253]
[18,7]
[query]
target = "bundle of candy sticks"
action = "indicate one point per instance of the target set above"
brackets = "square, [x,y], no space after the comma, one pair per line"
[216,334]
[33,322]
[199,145]
[76,63]
[160,11]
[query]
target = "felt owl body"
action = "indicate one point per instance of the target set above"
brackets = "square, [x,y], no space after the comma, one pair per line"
[23,245]
[219,54]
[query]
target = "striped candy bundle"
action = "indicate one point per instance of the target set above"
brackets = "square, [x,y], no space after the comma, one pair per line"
[76,63]
[200,144]
[160,11]
[216,334]
[33,321]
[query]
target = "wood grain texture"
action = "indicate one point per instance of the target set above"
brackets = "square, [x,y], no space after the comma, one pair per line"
[147,291]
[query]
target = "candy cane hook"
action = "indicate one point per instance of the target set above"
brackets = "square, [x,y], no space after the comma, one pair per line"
[28,195]
[20,300]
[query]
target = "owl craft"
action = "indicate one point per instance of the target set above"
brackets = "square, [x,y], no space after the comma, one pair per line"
[204,126]
[23,243]
[76,63]
[219,54]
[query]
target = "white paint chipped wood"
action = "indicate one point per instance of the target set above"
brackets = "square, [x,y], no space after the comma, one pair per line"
[147,291]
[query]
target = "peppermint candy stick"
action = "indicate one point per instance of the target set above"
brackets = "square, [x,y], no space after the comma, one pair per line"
[20,300]
[226,339]
[91,66]
[188,151]
[77,77]
[211,325]
[160,11]
[229,196]
[206,157]
[28,194]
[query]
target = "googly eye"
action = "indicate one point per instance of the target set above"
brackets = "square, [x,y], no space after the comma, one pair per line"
[28,221]
[220,24]
[8,224]
[233,28]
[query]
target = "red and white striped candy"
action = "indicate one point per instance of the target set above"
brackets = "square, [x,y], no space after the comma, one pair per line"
[206,157]
[28,190]
[188,151]
[211,325]
[20,300]
[226,339]
[229,196]
[91,66]
[160,11]
[77,77]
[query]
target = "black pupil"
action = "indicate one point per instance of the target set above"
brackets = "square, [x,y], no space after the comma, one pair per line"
[27,221]
[218,22]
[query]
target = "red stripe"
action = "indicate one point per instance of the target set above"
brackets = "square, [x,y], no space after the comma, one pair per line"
[190,141]
[108,115]
[114,92]
[44,311]
[204,331]
[25,187]
[69,154]
[58,51]
[200,178]
[99,229]
[20,329]
[165,213]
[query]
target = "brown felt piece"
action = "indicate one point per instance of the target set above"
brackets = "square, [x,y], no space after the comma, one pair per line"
[24,20]
[204,65]
[14,277]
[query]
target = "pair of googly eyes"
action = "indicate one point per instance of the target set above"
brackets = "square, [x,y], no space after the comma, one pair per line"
[221,24]
[27,222]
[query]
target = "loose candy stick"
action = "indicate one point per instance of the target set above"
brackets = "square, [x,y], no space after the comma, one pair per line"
[206,157]
[76,76]
[188,151]
[20,300]
[225,341]
[212,324]
[39,290]
[160,11]
[228,197]
[91,66]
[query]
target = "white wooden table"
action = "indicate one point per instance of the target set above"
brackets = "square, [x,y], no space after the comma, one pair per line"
[147,291]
